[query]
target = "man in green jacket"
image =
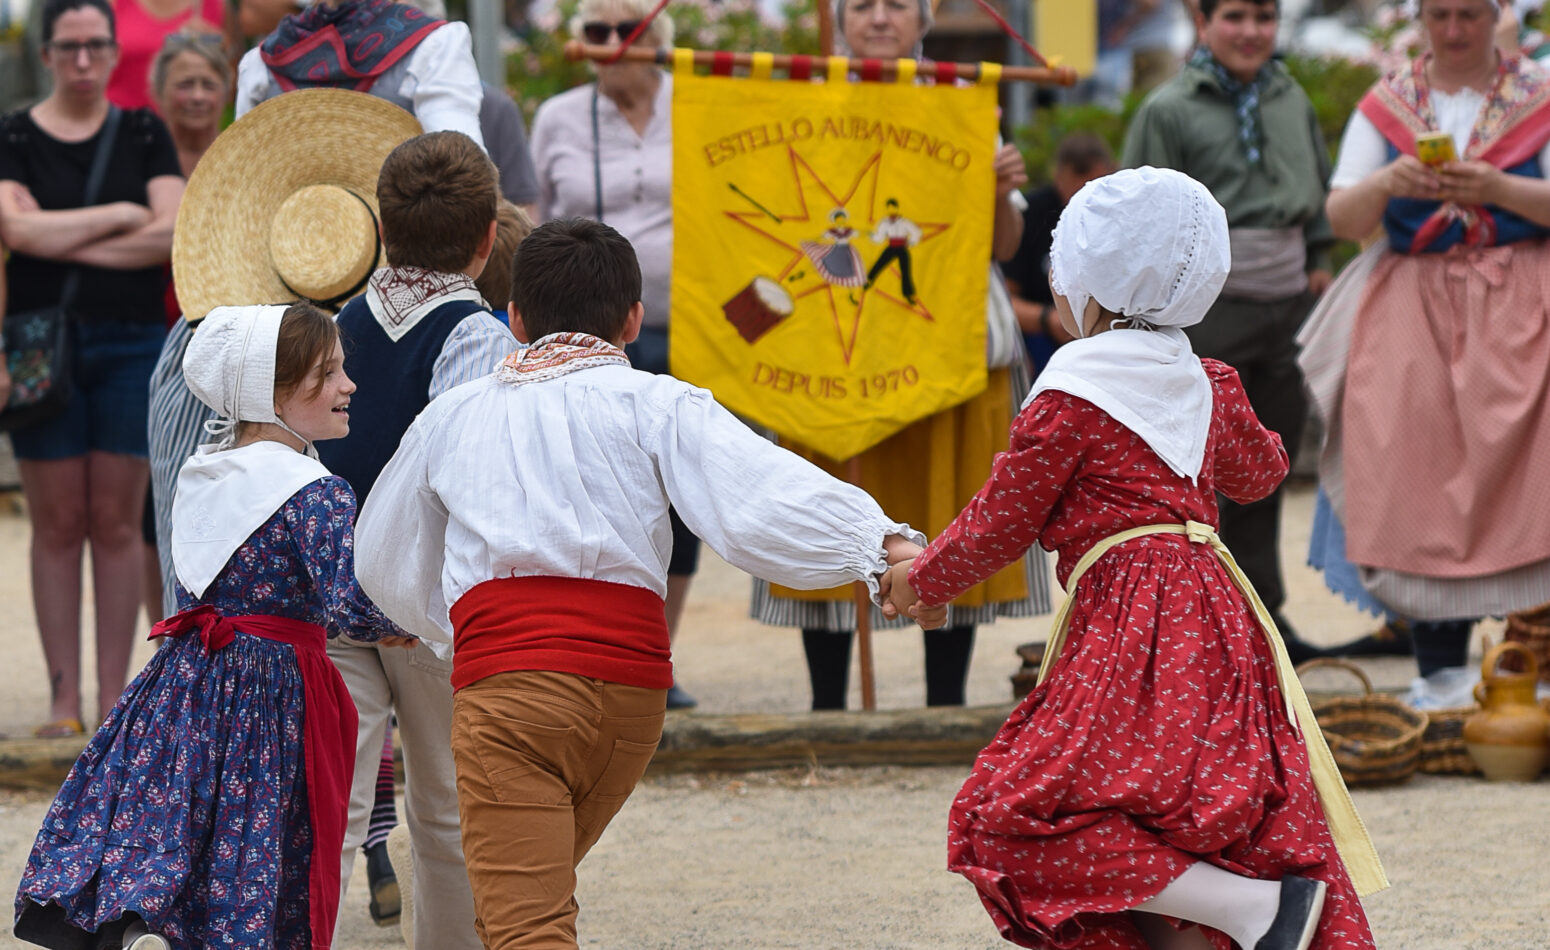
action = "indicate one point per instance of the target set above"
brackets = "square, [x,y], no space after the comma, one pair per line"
[1236,121]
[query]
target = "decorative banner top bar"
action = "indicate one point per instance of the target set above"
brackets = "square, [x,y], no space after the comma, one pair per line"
[805,67]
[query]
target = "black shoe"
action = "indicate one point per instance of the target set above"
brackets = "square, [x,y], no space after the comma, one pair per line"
[1297,919]
[678,699]
[1391,639]
[385,904]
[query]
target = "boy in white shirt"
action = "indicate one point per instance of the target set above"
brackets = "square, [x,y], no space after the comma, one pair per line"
[522,527]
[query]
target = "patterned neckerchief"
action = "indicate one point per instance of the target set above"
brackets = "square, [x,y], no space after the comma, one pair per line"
[1245,96]
[556,355]
[400,297]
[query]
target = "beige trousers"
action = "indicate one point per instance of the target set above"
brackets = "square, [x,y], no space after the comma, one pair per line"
[419,687]
[544,762]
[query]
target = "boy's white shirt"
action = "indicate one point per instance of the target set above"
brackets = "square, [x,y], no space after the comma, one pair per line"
[572,477]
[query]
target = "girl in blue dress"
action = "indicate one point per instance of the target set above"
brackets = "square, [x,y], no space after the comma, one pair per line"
[209,809]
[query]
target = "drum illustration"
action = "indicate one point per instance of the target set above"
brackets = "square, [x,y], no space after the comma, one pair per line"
[758,308]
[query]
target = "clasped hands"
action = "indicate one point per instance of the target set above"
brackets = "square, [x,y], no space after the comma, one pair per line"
[1465,183]
[899,598]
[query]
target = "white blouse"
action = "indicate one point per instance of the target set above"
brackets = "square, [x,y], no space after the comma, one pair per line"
[441,82]
[637,178]
[572,477]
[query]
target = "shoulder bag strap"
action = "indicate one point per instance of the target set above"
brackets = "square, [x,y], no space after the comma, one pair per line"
[99,171]
[597,159]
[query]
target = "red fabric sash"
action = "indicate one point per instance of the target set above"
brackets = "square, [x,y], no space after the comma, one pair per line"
[328,728]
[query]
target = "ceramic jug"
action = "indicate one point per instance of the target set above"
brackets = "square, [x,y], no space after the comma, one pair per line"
[1509,738]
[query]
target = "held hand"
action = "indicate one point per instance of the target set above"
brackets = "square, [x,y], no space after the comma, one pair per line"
[1470,183]
[884,589]
[896,547]
[1319,281]
[1407,177]
[408,643]
[1011,173]
[929,618]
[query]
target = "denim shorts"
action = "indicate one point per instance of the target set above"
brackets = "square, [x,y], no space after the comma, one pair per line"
[110,365]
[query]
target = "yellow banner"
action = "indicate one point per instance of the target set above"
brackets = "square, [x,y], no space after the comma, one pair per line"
[831,248]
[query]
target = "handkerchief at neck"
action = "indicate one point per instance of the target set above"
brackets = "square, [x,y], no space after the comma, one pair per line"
[400,297]
[1150,381]
[556,355]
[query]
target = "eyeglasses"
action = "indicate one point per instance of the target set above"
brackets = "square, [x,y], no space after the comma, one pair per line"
[97,49]
[597,32]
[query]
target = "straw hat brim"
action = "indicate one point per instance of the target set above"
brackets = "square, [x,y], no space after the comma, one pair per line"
[307,137]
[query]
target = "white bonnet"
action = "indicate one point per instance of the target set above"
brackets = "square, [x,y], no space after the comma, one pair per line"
[1147,243]
[230,364]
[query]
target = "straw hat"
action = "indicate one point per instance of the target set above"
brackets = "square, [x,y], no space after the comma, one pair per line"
[284,204]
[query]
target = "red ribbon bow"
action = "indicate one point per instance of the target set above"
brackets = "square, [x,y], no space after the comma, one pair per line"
[214,630]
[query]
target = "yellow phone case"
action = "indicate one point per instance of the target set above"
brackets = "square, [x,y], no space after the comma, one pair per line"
[1435,148]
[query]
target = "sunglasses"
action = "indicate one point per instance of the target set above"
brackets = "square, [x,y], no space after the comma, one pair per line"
[71,49]
[597,32]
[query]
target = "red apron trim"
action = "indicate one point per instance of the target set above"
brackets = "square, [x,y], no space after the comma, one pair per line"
[329,724]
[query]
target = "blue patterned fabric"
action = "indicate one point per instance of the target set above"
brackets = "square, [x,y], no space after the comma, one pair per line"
[1326,552]
[189,805]
[1245,96]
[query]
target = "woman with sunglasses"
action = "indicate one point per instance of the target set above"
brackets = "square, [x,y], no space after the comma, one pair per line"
[605,151]
[84,471]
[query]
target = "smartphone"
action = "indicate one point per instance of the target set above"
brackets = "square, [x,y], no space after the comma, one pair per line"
[1435,148]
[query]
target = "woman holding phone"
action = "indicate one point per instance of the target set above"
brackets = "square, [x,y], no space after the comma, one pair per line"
[1440,413]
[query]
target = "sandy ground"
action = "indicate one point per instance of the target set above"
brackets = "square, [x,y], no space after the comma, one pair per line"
[853,858]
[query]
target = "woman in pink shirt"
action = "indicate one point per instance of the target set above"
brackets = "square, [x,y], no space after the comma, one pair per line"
[143,25]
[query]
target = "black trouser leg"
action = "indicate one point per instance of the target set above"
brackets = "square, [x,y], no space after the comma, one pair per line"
[828,666]
[1258,339]
[1440,643]
[947,664]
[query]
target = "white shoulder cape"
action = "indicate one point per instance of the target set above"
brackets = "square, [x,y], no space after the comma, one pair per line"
[1150,381]
[222,497]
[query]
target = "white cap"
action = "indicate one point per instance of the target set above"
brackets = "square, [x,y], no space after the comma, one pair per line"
[1147,243]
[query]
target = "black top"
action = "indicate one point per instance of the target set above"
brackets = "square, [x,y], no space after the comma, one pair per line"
[55,172]
[1029,267]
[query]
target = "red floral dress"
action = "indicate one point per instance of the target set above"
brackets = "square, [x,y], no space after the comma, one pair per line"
[1160,737]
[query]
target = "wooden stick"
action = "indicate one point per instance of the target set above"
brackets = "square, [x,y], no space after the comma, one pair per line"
[863,615]
[825,28]
[887,69]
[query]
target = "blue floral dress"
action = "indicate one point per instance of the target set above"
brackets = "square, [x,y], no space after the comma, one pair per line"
[190,805]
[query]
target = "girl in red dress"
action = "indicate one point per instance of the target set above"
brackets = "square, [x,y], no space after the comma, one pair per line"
[1164,786]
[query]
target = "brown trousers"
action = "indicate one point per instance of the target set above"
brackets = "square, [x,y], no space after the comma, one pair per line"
[544,762]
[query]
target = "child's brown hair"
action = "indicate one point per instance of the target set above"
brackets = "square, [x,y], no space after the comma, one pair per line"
[306,339]
[511,225]
[437,194]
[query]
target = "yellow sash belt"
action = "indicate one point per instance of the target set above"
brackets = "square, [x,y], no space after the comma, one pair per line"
[1345,825]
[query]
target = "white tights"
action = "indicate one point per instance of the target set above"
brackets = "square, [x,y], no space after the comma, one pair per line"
[1241,907]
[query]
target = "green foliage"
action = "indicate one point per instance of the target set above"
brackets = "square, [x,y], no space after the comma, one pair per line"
[1039,139]
[1334,86]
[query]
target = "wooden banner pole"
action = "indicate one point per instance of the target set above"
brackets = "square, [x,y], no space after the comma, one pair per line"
[886,69]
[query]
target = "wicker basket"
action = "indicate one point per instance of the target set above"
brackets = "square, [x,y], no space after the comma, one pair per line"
[1376,739]
[1442,744]
[1532,629]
